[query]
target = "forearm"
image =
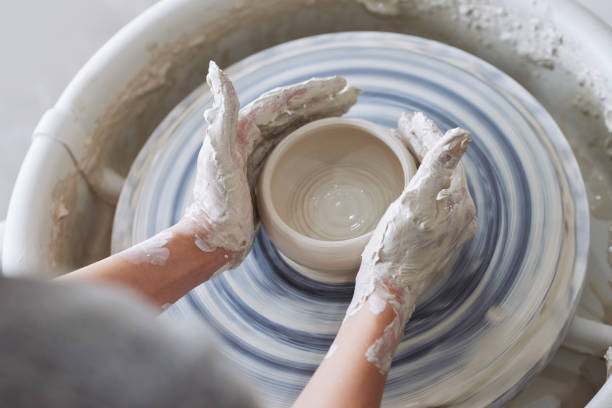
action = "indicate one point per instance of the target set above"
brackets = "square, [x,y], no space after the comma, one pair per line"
[162,269]
[347,377]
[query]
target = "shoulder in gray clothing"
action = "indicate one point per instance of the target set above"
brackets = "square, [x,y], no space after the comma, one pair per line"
[66,345]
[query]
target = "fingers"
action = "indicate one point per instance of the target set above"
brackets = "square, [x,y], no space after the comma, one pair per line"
[327,107]
[284,109]
[317,89]
[447,152]
[466,225]
[222,117]
[332,105]
[434,173]
[290,97]
[418,133]
[257,158]
[458,183]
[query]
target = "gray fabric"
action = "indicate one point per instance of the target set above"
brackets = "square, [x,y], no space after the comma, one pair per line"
[2,223]
[67,345]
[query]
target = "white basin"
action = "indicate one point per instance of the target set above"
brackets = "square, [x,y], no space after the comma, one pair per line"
[62,206]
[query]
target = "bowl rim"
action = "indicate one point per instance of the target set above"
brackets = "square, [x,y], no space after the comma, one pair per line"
[264,185]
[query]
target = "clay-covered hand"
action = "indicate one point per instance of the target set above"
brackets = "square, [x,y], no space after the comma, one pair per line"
[419,233]
[235,147]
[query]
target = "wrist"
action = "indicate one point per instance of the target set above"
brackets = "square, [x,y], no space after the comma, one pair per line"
[231,229]
[198,236]
[381,321]
[198,228]
[401,302]
[384,281]
[194,238]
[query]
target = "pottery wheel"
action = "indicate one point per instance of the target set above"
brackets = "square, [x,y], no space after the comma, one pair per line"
[480,334]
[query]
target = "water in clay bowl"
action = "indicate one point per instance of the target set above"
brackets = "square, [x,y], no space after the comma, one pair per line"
[478,337]
[325,187]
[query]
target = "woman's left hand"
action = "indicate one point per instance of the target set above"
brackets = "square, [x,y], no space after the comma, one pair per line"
[235,147]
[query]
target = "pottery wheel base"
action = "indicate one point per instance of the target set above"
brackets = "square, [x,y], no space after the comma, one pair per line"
[512,285]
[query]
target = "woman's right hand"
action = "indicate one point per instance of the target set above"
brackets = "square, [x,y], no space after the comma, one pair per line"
[420,231]
[416,237]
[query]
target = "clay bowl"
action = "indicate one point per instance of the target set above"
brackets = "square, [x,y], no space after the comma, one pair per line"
[324,188]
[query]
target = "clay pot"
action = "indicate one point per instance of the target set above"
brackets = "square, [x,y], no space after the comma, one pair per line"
[325,187]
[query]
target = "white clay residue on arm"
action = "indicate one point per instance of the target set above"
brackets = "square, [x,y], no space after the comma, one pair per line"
[381,352]
[377,304]
[152,251]
[202,244]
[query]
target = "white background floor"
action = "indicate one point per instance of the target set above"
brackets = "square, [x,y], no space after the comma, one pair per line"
[44,43]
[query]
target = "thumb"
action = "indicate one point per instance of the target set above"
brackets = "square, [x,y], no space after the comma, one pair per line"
[222,117]
[434,173]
